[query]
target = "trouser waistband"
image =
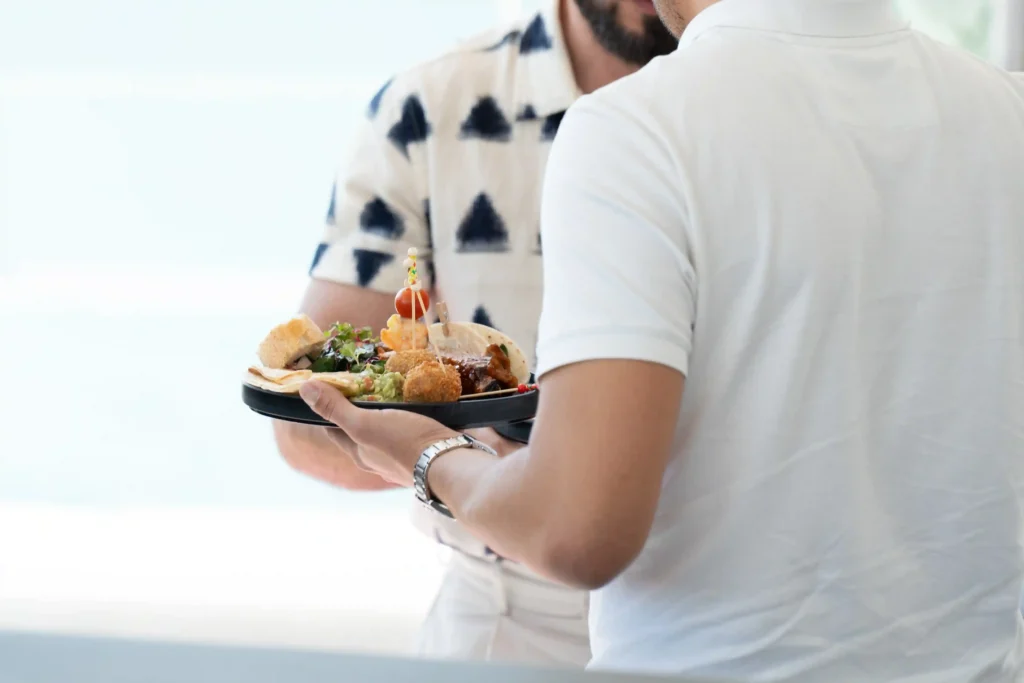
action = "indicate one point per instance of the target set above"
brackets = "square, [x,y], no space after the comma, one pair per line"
[450,533]
[514,587]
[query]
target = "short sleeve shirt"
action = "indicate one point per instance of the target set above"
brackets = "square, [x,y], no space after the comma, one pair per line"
[451,161]
[816,215]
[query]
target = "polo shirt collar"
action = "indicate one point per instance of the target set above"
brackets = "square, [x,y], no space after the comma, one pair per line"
[544,77]
[807,18]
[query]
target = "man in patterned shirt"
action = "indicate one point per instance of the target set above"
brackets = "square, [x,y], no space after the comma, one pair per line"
[451,162]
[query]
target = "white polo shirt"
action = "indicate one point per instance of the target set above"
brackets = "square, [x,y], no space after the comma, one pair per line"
[817,215]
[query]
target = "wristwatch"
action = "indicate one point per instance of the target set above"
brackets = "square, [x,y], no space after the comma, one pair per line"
[419,472]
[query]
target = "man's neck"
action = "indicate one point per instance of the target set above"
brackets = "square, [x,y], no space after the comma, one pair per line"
[592,65]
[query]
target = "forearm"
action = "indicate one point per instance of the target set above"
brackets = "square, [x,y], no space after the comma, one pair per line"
[499,501]
[310,451]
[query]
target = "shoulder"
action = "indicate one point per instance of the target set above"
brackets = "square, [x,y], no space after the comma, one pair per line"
[628,108]
[483,65]
[964,74]
[612,145]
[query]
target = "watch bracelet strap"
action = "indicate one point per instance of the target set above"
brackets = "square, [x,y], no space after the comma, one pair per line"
[427,457]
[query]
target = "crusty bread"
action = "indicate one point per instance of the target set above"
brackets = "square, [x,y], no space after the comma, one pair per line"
[289,341]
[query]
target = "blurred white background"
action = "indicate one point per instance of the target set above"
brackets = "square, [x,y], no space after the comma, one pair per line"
[164,175]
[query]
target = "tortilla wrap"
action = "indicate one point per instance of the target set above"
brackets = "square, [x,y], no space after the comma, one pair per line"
[518,364]
[473,338]
[461,337]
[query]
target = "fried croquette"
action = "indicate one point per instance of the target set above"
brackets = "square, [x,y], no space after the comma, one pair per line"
[432,383]
[404,361]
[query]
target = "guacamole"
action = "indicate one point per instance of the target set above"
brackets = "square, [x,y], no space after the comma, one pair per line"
[387,387]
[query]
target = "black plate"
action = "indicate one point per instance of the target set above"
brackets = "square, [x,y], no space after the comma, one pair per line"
[516,431]
[476,412]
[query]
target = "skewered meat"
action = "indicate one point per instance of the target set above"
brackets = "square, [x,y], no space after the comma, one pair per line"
[489,372]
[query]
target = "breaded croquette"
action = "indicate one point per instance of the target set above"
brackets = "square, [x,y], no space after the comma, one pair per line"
[404,361]
[432,383]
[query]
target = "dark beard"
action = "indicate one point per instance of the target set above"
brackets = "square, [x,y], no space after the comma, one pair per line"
[635,48]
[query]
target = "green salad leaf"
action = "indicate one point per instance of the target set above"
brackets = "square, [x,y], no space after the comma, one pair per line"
[350,349]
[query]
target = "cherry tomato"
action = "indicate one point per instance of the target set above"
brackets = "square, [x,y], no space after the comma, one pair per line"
[403,303]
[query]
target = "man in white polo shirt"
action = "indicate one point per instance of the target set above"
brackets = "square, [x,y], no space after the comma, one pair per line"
[451,162]
[815,215]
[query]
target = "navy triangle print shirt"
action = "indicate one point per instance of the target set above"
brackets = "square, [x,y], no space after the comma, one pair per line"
[451,161]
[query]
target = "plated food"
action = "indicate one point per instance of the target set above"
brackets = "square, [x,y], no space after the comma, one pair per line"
[407,362]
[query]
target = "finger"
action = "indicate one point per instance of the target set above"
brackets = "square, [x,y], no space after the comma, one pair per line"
[328,403]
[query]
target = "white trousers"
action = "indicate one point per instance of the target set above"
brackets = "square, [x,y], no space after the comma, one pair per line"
[495,610]
[491,610]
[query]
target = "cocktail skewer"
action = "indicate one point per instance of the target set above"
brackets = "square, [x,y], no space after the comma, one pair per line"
[521,389]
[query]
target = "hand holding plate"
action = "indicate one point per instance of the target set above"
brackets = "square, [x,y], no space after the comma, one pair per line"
[386,442]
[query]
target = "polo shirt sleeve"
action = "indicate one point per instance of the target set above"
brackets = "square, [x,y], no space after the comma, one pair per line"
[618,277]
[378,207]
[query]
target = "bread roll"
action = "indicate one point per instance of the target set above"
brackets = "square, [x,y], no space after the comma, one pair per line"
[290,341]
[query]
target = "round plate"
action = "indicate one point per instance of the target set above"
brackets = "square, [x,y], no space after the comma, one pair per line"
[516,431]
[466,414]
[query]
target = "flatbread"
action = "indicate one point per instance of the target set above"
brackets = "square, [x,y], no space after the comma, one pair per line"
[280,376]
[290,381]
[257,380]
[350,384]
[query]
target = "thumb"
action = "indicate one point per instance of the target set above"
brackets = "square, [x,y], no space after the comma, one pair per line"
[328,403]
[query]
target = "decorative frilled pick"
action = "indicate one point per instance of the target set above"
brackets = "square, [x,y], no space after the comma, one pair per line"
[412,278]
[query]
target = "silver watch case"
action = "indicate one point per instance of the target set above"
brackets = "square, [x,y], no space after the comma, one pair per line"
[419,471]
